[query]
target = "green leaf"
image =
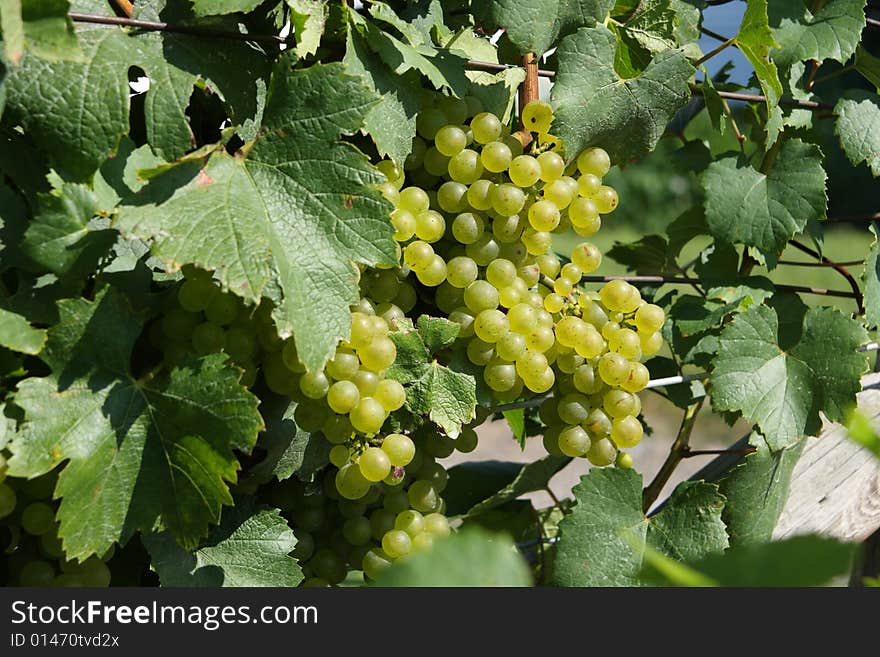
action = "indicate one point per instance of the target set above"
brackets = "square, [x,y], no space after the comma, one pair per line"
[858,128]
[307,21]
[780,376]
[497,91]
[62,237]
[871,278]
[17,334]
[648,256]
[391,123]
[215,7]
[595,106]
[249,547]
[756,491]
[603,539]
[436,332]
[530,478]
[765,209]
[516,420]
[755,40]
[652,25]
[833,32]
[41,27]
[448,398]
[868,66]
[138,450]
[289,450]
[714,104]
[78,111]
[798,561]
[472,482]
[472,558]
[289,221]
[536,25]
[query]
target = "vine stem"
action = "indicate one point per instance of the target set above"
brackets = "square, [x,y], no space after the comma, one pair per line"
[124,7]
[714,452]
[676,453]
[492,67]
[840,269]
[709,55]
[156,26]
[758,98]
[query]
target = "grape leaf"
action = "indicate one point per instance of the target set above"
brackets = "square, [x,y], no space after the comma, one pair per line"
[436,332]
[858,128]
[471,557]
[77,111]
[497,91]
[871,278]
[447,397]
[215,7]
[756,491]
[755,41]
[603,539]
[780,376]
[391,123]
[17,334]
[648,256]
[531,477]
[249,547]
[307,21]
[536,25]
[832,32]
[866,64]
[652,25]
[41,27]
[471,482]
[595,106]
[138,450]
[287,222]
[765,209]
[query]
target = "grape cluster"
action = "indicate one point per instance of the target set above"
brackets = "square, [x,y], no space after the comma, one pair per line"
[477,233]
[30,536]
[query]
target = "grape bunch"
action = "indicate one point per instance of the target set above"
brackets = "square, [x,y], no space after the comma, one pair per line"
[476,228]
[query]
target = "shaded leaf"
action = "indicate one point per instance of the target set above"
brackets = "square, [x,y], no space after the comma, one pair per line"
[858,128]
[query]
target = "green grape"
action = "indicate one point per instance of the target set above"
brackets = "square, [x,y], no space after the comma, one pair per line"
[381,520]
[374,464]
[328,566]
[496,156]
[310,519]
[544,216]
[400,449]
[552,166]
[531,364]
[627,343]
[465,319]
[515,252]
[368,416]
[509,296]
[548,412]
[429,121]
[584,217]
[615,294]
[570,331]
[597,423]
[594,161]
[430,226]
[486,127]
[404,223]
[467,227]
[573,408]
[278,378]
[500,375]
[208,338]
[562,287]
[542,382]
[448,297]
[651,344]
[436,165]
[479,352]
[545,319]
[423,497]
[178,324]
[613,368]
[536,242]
[465,167]
[396,543]
[416,154]
[548,264]
[195,294]
[638,378]
[361,335]
[390,394]
[511,346]
[314,385]
[550,440]
[507,229]
[452,197]
[584,379]
[554,303]
[467,441]
[240,344]
[440,447]
[541,338]
[434,273]
[310,416]
[574,441]
[479,195]
[418,255]
[436,524]
[461,271]
[37,518]
[523,318]
[514,144]
[391,171]
[524,171]
[626,432]
[619,403]
[396,502]
[602,452]
[415,200]
[390,192]
[490,325]
[537,116]
[410,521]
[339,455]
[450,139]
[484,250]
[559,193]
[350,483]
[343,365]
[435,473]
[649,318]
[406,298]
[379,354]
[357,531]
[222,309]
[454,109]
[588,184]
[36,573]
[572,273]
[530,274]
[624,461]
[507,199]
[606,199]
[7,500]
[480,295]
[501,273]
[343,396]
[375,561]
[569,362]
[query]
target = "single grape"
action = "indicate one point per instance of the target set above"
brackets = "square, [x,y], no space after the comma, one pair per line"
[544,216]
[594,161]
[374,562]
[434,273]
[374,464]
[461,271]
[480,352]
[559,193]
[484,250]
[399,448]
[588,184]
[351,483]
[496,156]
[500,375]
[430,226]
[467,227]
[339,455]
[404,223]
[626,432]
[602,452]
[486,127]
[574,441]
[537,116]
[613,368]
[429,121]
[423,497]
[452,197]
[396,543]
[606,199]
[465,167]
[649,318]
[222,309]
[524,171]
[195,294]
[624,461]
[507,199]
[450,139]
[390,394]
[466,441]
[208,338]
[536,242]
[314,385]
[573,408]
[480,295]
[7,499]
[552,166]
[436,165]
[368,416]
[379,354]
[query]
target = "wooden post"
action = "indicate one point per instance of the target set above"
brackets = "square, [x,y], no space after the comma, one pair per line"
[528,92]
